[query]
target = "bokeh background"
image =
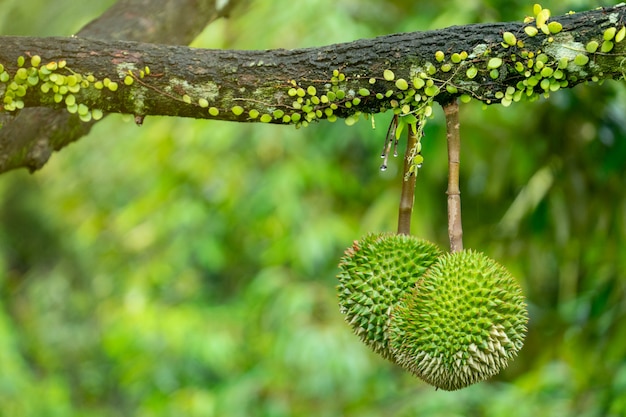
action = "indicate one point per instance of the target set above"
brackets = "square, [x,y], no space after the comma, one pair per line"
[187,268]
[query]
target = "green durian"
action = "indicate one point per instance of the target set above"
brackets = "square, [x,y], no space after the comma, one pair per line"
[461,323]
[374,273]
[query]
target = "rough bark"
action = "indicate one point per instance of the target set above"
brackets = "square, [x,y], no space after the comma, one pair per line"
[28,138]
[336,81]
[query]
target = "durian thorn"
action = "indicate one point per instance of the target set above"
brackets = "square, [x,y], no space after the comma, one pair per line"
[455,228]
[407,196]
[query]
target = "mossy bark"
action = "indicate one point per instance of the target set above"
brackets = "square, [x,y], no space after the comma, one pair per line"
[28,139]
[336,81]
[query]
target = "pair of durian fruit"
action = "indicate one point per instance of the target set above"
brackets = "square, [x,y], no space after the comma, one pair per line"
[452,319]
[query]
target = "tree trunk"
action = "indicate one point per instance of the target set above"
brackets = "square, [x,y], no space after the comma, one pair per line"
[492,63]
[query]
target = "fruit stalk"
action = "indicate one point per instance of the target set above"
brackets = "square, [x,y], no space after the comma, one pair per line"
[407,196]
[455,228]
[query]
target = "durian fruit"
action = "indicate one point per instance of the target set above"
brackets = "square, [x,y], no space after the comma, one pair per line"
[374,273]
[461,323]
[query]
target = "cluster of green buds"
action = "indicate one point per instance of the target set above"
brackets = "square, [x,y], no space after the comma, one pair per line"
[56,81]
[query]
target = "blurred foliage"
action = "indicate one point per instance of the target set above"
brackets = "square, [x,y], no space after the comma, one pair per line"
[187,267]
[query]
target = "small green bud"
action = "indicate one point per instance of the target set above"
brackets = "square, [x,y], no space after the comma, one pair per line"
[96,114]
[402,84]
[494,63]
[431,91]
[21,74]
[531,31]
[388,75]
[84,117]
[581,60]
[509,38]
[70,100]
[592,47]
[418,83]
[555,27]
[609,34]
[607,46]
[73,108]
[352,119]
[83,109]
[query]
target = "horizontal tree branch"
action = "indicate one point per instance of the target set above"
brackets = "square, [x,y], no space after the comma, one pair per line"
[492,63]
[27,139]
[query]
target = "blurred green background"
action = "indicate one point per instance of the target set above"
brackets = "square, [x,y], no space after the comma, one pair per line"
[187,268]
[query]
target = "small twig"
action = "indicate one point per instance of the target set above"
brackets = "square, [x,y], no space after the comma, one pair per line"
[389,140]
[408,184]
[455,228]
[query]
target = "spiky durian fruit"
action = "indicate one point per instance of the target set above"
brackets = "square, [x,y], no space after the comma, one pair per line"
[374,273]
[461,323]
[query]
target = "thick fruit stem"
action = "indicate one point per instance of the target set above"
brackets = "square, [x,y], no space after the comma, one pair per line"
[407,196]
[455,228]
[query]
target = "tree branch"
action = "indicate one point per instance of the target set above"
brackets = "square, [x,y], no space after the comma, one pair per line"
[28,139]
[403,72]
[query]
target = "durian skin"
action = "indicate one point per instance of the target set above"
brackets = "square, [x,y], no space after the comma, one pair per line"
[374,273]
[461,323]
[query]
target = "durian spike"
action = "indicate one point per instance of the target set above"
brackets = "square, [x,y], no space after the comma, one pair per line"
[407,196]
[455,227]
